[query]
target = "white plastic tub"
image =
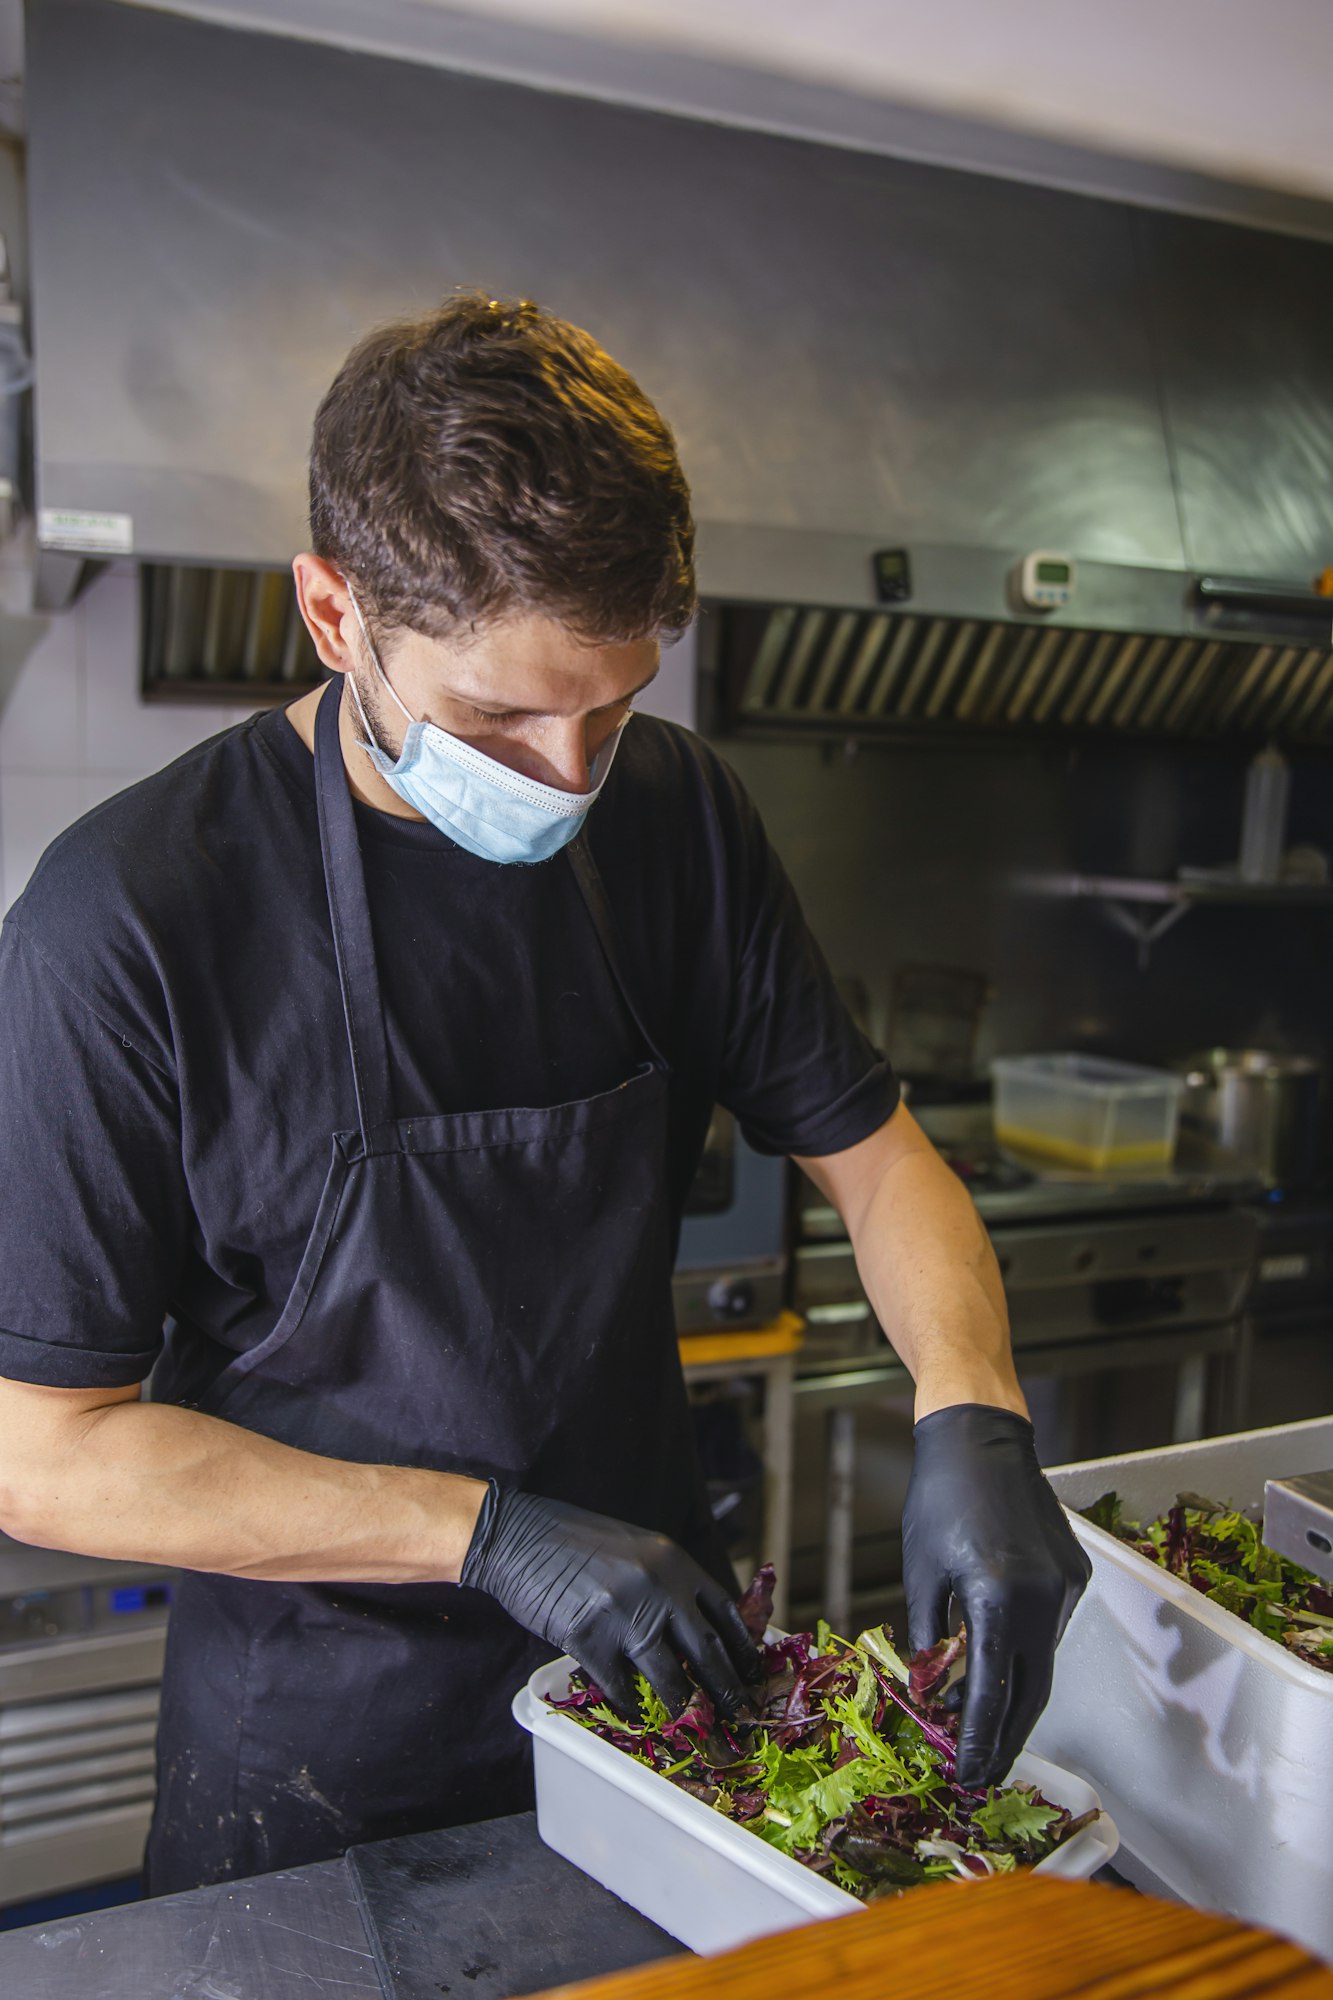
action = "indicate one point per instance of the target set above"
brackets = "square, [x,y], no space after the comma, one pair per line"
[1087,1112]
[695,1874]
[1211,1745]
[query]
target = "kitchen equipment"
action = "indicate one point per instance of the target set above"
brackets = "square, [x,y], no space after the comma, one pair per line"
[1261,1107]
[731,1264]
[934,1017]
[706,1881]
[1113,1284]
[81,1645]
[1163,318]
[1211,1745]
[1263,827]
[1045,580]
[1298,1521]
[1086,1112]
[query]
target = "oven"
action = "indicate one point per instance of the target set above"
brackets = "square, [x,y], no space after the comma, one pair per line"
[81,1647]
[731,1264]
[1292,1306]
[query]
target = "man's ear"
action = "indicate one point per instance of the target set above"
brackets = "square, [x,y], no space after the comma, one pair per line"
[326,606]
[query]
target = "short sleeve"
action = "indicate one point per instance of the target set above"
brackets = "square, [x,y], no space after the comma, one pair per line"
[95,1216]
[797,1072]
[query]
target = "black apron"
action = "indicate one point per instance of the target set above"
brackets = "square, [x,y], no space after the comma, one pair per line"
[482,1292]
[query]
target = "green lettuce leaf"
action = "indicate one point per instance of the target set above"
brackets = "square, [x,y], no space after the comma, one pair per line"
[1013,1815]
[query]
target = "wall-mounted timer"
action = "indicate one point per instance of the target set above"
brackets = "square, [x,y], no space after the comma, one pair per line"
[1046,580]
[893,575]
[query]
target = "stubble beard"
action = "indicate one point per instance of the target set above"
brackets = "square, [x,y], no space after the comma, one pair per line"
[387,725]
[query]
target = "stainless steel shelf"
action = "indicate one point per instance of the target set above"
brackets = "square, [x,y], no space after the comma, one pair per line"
[1127,899]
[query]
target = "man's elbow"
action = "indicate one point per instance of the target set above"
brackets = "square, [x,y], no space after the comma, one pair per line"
[47,1451]
[29,1513]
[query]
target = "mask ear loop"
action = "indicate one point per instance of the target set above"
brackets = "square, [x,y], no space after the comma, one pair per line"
[375,662]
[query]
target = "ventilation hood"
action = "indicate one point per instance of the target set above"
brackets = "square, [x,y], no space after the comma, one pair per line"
[856,352]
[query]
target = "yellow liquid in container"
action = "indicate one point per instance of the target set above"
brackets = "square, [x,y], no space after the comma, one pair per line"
[1090,1159]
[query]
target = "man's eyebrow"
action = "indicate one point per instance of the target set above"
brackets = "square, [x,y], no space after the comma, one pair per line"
[482,701]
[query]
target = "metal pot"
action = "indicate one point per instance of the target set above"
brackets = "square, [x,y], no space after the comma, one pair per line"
[1261,1108]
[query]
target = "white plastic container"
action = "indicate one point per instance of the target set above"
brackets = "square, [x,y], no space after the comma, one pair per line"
[1087,1112]
[692,1872]
[1211,1745]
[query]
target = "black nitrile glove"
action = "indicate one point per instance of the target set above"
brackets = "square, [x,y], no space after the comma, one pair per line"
[982,1524]
[622,1600]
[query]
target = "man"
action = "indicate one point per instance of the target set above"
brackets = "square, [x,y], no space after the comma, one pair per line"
[368,1050]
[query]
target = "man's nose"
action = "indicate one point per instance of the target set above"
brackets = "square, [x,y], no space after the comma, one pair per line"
[566,753]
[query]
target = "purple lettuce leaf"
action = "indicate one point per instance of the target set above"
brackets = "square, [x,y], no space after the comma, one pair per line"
[932,1671]
[756,1605]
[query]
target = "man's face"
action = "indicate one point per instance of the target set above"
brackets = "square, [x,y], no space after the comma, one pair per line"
[525,691]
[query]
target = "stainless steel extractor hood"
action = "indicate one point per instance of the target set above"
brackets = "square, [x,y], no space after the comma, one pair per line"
[856,351]
[838,672]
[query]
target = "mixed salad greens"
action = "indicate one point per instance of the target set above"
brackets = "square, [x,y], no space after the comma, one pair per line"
[844,1760]
[1219,1551]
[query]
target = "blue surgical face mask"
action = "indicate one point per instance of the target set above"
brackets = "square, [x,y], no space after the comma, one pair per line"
[494,812]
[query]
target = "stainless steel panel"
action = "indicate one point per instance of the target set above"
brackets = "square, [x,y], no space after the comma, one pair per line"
[1298,1521]
[824,1273]
[730,1298]
[29,1722]
[1241,323]
[952,673]
[26,1568]
[53,1809]
[41,1861]
[82,1666]
[28,1752]
[844,343]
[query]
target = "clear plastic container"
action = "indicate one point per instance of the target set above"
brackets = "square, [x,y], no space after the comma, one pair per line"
[692,1872]
[1211,1745]
[1087,1112]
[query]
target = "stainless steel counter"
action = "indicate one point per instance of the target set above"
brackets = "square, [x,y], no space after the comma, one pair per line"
[287,1936]
[482,1910]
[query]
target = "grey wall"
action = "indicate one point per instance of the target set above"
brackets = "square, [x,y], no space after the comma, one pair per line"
[910,854]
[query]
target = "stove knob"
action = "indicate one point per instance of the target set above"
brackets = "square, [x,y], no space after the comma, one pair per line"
[731,1298]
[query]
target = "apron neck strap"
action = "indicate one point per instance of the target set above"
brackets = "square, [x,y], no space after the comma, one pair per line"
[593,891]
[353,943]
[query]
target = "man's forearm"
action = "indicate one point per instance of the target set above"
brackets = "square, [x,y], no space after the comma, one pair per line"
[926,1263]
[931,1277]
[149,1482]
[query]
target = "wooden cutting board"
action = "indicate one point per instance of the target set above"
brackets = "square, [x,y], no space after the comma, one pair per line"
[1017,1938]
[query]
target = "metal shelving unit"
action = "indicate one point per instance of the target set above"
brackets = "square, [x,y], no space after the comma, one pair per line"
[1146,910]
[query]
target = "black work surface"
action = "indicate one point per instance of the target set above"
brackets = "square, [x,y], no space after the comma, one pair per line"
[485,1912]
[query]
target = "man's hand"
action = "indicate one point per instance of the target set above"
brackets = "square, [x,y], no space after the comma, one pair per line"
[981,1524]
[620,1599]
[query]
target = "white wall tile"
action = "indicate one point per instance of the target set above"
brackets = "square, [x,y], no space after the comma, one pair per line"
[124,733]
[73,728]
[672,694]
[40,718]
[34,808]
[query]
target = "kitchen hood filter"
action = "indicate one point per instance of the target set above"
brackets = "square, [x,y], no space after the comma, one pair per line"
[880,672]
[214,634]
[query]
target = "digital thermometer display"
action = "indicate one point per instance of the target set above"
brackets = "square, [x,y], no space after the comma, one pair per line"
[1046,580]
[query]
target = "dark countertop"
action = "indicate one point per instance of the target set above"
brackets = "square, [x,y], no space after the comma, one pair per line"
[484,1911]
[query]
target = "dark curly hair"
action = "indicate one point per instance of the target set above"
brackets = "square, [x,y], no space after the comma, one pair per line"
[491,458]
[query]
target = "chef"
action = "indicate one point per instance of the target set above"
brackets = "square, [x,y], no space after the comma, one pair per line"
[355,1069]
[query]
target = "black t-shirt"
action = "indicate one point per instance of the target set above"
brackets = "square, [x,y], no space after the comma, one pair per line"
[173,1059]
